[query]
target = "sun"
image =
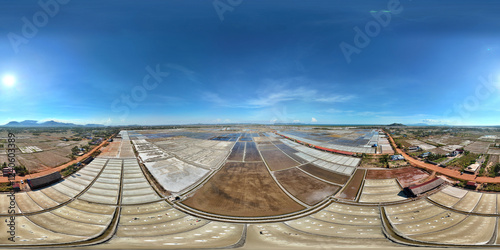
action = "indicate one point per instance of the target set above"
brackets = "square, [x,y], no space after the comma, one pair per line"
[9,80]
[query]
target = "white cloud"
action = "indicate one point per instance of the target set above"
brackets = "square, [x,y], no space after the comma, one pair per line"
[296,121]
[280,96]
[297,94]
[314,120]
[278,91]
[335,98]
[431,121]
[357,113]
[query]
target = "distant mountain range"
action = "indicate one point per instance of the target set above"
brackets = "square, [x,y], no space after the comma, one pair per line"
[33,123]
[418,125]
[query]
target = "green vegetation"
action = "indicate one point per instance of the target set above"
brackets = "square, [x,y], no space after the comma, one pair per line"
[462,184]
[384,160]
[494,170]
[492,187]
[441,159]
[75,150]
[482,170]
[70,169]
[467,159]
[414,154]
[436,157]
[366,161]
[401,143]
[21,170]
[5,187]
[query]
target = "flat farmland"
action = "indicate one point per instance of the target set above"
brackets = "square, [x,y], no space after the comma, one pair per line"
[494,159]
[494,151]
[50,159]
[351,190]
[277,160]
[251,153]
[242,189]
[31,163]
[304,187]
[54,152]
[237,152]
[405,175]
[478,147]
[423,145]
[445,139]
[325,174]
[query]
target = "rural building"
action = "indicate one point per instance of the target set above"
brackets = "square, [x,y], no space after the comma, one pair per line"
[425,154]
[416,190]
[471,184]
[455,153]
[43,181]
[397,157]
[16,186]
[8,171]
[472,168]
[414,148]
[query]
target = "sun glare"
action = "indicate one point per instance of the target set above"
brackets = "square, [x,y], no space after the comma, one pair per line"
[9,80]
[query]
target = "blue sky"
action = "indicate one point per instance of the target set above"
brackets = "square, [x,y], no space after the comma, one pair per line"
[266,61]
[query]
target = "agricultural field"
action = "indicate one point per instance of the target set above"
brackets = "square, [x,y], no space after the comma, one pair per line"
[478,147]
[372,161]
[39,151]
[460,163]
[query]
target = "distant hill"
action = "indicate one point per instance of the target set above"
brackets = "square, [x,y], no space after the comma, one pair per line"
[396,124]
[33,123]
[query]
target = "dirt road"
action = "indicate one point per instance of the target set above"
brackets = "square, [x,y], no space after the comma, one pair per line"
[52,170]
[451,173]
